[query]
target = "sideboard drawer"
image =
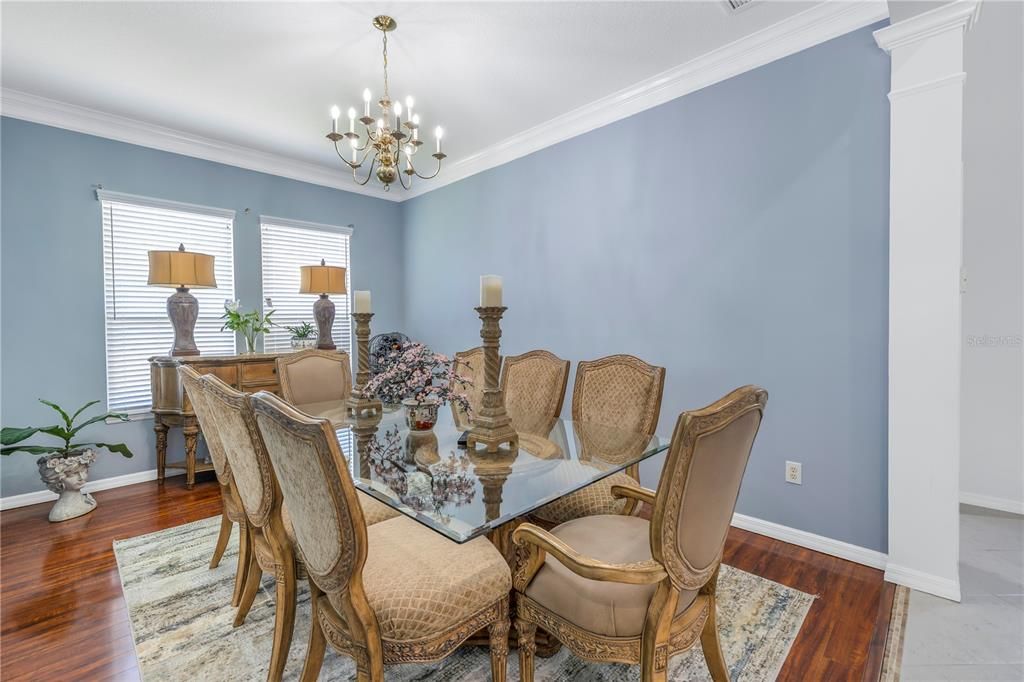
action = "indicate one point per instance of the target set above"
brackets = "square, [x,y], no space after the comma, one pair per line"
[226,373]
[258,373]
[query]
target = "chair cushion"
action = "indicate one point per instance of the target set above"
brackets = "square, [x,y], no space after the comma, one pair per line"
[420,583]
[595,499]
[375,511]
[333,411]
[604,608]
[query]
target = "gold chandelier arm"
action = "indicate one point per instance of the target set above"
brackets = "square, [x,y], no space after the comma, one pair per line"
[368,175]
[401,180]
[342,157]
[427,177]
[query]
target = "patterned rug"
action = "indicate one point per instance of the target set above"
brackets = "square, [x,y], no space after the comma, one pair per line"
[181,618]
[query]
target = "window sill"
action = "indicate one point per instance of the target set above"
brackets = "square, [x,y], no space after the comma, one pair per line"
[132,417]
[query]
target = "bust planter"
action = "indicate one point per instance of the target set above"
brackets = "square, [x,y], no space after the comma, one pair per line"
[66,476]
[64,468]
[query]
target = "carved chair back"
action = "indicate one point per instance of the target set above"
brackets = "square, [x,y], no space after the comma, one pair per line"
[616,403]
[314,376]
[190,381]
[534,385]
[330,531]
[700,483]
[243,446]
[469,364]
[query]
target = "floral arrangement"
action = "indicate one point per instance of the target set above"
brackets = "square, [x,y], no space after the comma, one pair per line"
[250,325]
[418,373]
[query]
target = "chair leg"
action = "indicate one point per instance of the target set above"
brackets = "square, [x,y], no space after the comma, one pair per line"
[498,631]
[527,648]
[317,641]
[253,577]
[713,648]
[284,621]
[244,555]
[222,539]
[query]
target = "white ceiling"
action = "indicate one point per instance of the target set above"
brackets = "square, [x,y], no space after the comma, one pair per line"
[264,74]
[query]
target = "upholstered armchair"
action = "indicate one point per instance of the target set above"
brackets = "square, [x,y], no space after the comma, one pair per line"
[231,506]
[469,364]
[624,589]
[318,382]
[534,385]
[616,402]
[393,592]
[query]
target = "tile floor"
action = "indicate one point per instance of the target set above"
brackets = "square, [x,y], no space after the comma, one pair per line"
[981,638]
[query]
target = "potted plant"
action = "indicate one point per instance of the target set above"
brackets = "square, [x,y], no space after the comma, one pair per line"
[422,381]
[303,336]
[64,468]
[250,325]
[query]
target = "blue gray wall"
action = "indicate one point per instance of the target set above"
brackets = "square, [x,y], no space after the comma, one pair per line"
[52,264]
[736,235]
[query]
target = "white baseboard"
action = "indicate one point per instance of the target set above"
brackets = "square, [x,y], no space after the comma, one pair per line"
[989,502]
[924,582]
[39,496]
[819,543]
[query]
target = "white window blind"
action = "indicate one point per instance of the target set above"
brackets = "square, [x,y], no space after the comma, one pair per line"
[287,245]
[137,326]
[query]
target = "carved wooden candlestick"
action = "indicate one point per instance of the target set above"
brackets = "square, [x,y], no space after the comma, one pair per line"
[492,426]
[357,403]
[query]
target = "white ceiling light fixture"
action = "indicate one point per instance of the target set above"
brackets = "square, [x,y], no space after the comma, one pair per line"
[385,145]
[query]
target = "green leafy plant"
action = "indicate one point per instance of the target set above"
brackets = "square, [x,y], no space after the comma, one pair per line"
[302,331]
[11,437]
[250,325]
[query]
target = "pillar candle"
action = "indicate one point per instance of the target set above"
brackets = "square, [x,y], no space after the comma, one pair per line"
[361,302]
[490,291]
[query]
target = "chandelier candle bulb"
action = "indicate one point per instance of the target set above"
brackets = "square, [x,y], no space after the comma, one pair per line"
[438,133]
[398,116]
[408,108]
[361,302]
[352,119]
[490,291]
[366,102]
[335,113]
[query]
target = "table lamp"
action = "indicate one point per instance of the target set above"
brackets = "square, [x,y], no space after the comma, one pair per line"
[323,279]
[181,270]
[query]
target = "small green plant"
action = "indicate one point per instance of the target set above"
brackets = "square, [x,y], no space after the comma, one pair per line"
[12,437]
[302,331]
[249,325]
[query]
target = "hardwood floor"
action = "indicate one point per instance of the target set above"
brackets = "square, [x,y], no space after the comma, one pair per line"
[63,616]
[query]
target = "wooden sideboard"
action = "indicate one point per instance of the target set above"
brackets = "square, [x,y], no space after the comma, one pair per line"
[250,372]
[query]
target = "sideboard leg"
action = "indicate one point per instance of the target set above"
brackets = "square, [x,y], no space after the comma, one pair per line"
[161,447]
[191,433]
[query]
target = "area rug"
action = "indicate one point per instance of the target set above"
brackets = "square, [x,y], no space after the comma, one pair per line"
[181,617]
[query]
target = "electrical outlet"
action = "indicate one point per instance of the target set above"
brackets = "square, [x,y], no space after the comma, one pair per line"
[794,473]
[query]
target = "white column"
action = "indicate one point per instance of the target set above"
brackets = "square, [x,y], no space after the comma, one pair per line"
[925,259]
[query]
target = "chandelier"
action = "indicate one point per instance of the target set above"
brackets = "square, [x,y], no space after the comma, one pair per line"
[391,152]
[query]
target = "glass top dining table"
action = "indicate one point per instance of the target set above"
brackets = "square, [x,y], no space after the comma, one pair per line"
[464,494]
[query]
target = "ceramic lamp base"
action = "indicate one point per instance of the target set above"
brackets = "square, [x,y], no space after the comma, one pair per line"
[183,310]
[323,312]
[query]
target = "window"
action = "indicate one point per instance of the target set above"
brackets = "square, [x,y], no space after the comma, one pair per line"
[137,327]
[287,245]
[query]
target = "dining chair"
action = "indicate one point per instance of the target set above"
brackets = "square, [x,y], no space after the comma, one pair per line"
[534,386]
[469,364]
[616,402]
[393,592]
[616,588]
[318,382]
[231,506]
[261,499]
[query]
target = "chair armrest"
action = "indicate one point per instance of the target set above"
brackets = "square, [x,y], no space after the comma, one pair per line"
[634,492]
[538,541]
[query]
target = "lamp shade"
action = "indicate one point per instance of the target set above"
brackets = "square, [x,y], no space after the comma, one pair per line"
[322,279]
[181,268]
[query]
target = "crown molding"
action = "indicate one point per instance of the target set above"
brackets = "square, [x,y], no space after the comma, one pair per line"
[822,22]
[960,14]
[22,105]
[801,31]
